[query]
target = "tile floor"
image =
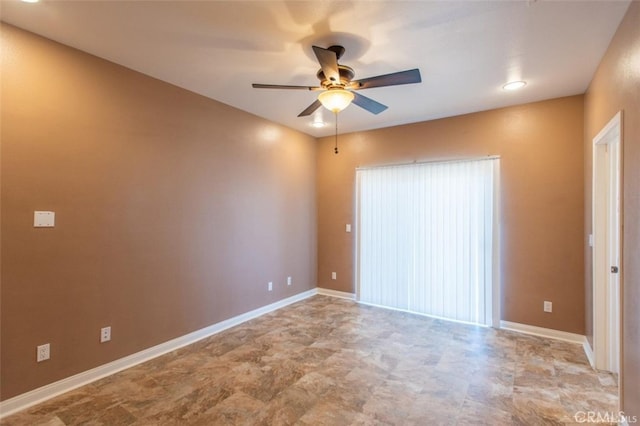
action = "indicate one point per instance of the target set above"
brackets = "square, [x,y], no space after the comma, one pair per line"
[327,361]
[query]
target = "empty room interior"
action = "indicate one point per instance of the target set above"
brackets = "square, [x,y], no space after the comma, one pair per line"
[319,212]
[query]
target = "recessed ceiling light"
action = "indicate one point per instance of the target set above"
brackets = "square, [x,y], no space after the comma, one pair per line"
[30,1]
[514,85]
[318,124]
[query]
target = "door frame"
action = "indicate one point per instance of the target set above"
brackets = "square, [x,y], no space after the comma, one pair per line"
[607,245]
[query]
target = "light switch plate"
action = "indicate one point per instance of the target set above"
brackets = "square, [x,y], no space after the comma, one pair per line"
[43,219]
[348,227]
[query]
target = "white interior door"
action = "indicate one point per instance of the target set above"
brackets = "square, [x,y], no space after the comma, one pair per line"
[606,246]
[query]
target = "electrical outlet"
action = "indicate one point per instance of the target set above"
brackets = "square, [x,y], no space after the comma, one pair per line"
[334,276]
[270,286]
[289,281]
[43,352]
[548,306]
[105,334]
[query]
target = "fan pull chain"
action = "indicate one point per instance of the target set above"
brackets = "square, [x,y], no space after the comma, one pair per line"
[335,150]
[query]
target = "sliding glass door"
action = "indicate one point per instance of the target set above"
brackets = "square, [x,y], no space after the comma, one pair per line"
[426,238]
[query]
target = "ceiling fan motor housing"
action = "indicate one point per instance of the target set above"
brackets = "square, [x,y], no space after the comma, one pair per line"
[346,75]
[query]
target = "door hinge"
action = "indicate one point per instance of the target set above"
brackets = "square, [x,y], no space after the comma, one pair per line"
[614,269]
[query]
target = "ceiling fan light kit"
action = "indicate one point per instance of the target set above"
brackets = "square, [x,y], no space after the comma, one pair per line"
[336,100]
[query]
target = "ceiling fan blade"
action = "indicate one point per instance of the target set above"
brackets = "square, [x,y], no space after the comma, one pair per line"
[279,86]
[368,104]
[310,109]
[328,62]
[393,79]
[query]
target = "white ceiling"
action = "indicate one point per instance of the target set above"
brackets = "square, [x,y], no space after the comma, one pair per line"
[465,51]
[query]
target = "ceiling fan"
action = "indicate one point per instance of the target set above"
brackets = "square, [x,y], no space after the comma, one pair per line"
[337,87]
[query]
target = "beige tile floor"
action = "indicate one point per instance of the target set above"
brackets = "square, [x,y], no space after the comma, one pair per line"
[327,361]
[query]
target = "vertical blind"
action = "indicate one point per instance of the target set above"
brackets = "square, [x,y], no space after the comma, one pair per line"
[425,238]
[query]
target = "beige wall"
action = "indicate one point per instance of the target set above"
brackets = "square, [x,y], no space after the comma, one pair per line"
[616,87]
[173,211]
[542,202]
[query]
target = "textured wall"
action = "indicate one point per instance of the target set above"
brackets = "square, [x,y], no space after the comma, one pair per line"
[173,211]
[542,201]
[616,87]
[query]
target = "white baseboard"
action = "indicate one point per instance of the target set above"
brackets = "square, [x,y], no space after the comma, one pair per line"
[588,351]
[52,390]
[336,293]
[543,332]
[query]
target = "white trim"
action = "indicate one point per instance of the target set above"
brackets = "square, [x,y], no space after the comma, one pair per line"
[336,293]
[543,332]
[54,389]
[611,125]
[588,351]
